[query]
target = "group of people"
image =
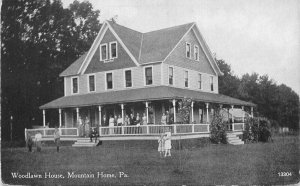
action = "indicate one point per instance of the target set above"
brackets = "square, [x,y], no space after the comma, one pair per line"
[38,141]
[128,120]
[164,144]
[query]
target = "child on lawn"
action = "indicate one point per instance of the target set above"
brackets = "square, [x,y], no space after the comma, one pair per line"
[161,144]
[167,143]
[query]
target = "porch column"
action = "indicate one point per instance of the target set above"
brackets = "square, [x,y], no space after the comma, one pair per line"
[122,109]
[60,121]
[44,118]
[243,117]
[232,118]
[192,107]
[100,115]
[174,106]
[147,114]
[251,112]
[77,114]
[207,116]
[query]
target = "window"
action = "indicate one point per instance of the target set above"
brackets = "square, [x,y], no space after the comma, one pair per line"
[75,85]
[171,76]
[186,78]
[91,83]
[109,81]
[196,53]
[188,50]
[211,83]
[103,52]
[200,80]
[128,80]
[113,50]
[148,75]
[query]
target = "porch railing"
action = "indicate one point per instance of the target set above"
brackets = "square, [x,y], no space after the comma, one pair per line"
[154,129]
[48,132]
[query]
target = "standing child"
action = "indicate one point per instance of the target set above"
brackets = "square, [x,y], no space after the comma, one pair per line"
[168,143]
[29,143]
[57,138]
[161,145]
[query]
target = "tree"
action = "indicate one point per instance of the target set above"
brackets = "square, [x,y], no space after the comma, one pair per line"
[39,40]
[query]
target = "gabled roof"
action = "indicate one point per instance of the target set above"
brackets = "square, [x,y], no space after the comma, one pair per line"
[141,94]
[144,48]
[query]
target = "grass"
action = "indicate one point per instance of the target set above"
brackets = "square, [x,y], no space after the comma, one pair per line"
[257,163]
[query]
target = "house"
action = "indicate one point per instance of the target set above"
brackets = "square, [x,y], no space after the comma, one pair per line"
[126,71]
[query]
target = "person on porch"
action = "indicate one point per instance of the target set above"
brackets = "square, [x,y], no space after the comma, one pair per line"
[111,124]
[86,127]
[163,119]
[29,143]
[94,134]
[120,120]
[104,120]
[167,117]
[126,120]
[138,123]
[132,119]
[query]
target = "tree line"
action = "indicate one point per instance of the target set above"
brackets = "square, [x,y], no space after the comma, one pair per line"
[42,38]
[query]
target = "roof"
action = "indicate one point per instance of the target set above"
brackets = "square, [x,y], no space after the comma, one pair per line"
[141,94]
[147,47]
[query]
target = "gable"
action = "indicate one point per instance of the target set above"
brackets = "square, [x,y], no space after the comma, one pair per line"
[122,61]
[178,55]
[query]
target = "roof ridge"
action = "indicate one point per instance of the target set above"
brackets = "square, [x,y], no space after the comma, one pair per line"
[169,27]
[111,22]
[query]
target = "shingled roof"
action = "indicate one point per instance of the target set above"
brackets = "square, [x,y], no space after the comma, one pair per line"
[141,94]
[146,47]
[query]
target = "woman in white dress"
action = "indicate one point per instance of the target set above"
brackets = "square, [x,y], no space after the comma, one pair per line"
[111,124]
[168,143]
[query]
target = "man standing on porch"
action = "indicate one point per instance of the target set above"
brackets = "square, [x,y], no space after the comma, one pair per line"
[163,119]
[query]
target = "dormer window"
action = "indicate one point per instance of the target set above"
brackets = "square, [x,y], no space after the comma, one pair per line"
[196,52]
[188,50]
[103,52]
[113,50]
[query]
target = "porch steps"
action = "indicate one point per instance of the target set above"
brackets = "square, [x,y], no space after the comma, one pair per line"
[85,142]
[233,139]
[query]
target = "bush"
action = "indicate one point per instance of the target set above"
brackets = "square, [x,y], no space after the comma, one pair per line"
[257,129]
[218,129]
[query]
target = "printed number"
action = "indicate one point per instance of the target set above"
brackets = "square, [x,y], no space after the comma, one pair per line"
[284,174]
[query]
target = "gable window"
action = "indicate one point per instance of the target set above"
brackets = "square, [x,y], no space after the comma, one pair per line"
[92,83]
[171,76]
[148,75]
[109,81]
[200,81]
[188,50]
[186,78]
[211,83]
[196,52]
[128,79]
[113,50]
[75,85]
[103,52]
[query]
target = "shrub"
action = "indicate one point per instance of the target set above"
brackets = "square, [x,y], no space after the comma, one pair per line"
[184,110]
[257,129]
[218,128]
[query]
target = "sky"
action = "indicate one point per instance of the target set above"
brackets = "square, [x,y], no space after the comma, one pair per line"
[261,36]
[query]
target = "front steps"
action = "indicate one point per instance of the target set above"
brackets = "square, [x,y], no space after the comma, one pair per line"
[85,142]
[233,139]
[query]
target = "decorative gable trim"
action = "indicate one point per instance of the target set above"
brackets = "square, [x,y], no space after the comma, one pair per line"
[97,42]
[209,55]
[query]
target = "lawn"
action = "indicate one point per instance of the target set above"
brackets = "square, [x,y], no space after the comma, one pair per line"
[200,164]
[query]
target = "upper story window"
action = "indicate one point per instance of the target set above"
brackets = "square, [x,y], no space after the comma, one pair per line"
[103,52]
[171,76]
[128,79]
[113,53]
[200,81]
[109,81]
[92,83]
[196,52]
[75,85]
[211,83]
[186,78]
[188,50]
[148,75]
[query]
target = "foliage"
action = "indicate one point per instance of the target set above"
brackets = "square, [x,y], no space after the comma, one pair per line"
[278,103]
[39,40]
[218,128]
[185,110]
[257,129]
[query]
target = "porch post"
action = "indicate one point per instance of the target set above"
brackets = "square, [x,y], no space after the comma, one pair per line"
[192,107]
[251,112]
[232,118]
[122,109]
[147,107]
[207,116]
[59,112]
[174,106]
[44,118]
[77,114]
[100,115]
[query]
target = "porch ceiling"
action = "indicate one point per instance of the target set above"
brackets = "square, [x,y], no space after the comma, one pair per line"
[141,94]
